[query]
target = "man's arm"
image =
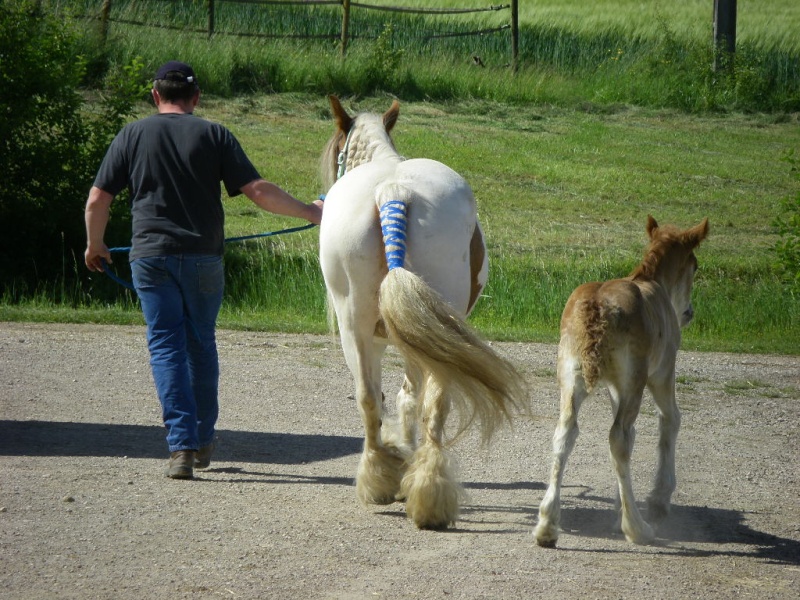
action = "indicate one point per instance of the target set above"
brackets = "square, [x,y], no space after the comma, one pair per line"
[96,215]
[271,198]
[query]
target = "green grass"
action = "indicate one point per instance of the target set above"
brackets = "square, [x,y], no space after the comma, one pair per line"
[614,114]
[563,197]
[652,54]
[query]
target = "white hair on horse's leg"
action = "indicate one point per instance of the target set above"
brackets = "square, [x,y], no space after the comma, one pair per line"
[431,489]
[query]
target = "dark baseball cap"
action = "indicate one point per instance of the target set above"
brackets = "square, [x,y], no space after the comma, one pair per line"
[175,70]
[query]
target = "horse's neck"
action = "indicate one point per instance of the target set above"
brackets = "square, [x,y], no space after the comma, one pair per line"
[370,153]
[366,147]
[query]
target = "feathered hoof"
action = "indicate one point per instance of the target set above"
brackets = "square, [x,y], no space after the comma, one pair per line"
[379,475]
[434,507]
[546,535]
[641,535]
[433,496]
[657,510]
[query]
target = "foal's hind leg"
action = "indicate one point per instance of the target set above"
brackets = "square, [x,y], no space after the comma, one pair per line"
[669,423]
[573,393]
[621,438]
[430,488]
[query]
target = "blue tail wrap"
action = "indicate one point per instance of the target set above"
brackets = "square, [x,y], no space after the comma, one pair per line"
[393,226]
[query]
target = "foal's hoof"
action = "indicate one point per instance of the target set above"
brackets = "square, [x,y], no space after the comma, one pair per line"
[657,511]
[546,543]
[642,536]
[546,535]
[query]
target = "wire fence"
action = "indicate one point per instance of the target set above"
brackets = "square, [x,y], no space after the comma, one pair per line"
[344,33]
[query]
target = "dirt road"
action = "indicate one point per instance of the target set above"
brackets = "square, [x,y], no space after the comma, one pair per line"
[85,511]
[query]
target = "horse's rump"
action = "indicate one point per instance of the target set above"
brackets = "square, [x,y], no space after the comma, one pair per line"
[602,318]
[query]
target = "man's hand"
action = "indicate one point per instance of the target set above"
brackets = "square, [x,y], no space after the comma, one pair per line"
[94,257]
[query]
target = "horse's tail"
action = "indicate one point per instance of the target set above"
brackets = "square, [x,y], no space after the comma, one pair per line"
[430,334]
[590,327]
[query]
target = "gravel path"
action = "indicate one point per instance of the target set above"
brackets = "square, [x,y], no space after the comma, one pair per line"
[85,511]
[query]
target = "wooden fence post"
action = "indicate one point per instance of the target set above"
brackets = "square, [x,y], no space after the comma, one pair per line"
[514,35]
[210,18]
[105,15]
[345,25]
[724,33]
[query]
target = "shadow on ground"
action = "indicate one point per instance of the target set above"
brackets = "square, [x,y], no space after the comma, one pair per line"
[55,438]
[687,531]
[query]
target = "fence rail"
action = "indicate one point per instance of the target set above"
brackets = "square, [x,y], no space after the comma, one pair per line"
[344,34]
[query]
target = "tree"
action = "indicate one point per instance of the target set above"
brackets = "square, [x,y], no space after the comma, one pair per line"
[50,146]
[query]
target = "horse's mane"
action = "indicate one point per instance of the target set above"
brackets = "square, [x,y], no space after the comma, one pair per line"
[666,238]
[368,136]
[327,164]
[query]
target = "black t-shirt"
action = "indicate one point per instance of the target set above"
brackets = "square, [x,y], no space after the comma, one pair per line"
[173,165]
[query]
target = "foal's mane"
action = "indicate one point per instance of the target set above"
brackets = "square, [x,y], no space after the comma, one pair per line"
[663,241]
[668,242]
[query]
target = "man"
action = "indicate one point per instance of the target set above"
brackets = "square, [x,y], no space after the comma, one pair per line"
[172,163]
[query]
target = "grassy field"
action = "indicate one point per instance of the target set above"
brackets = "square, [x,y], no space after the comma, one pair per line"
[563,197]
[566,159]
[644,53]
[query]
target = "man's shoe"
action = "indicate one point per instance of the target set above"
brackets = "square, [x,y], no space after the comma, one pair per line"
[181,464]
[203,458]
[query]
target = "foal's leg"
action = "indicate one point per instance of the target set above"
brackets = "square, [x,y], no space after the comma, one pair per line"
[621,438]
[573,393]
[669,422]
[430,487]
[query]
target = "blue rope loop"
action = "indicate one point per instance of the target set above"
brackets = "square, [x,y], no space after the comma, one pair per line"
[107,270]
[393,227]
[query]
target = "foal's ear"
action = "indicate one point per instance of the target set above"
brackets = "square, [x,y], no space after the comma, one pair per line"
[390,116]
[651,226]
[343,120]
[698,233]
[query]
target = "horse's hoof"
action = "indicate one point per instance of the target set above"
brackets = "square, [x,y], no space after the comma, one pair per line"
[643,537]
[433,525]
[657,511]
[546,534]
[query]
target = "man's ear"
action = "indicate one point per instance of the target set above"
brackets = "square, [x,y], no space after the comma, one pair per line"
[156,96]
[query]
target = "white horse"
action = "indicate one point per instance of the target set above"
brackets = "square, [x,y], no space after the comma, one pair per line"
[626,333]
[404,261]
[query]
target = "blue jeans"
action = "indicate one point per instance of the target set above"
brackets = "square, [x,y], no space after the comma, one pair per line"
[181,296]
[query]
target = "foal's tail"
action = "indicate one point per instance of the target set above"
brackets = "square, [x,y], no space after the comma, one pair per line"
[429,333]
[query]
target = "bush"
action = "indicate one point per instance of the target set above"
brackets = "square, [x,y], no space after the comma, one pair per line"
[788,227]
[50,147]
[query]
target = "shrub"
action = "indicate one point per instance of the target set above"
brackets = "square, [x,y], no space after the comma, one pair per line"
[50,146]
[787,225]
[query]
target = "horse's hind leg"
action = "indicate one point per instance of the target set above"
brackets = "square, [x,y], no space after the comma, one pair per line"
[430,488]
[380,468]
[621,439]
[573,392]
[401,432]
[669,423]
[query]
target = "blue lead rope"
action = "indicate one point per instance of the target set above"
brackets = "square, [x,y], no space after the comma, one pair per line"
[242,238]
[107,270]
